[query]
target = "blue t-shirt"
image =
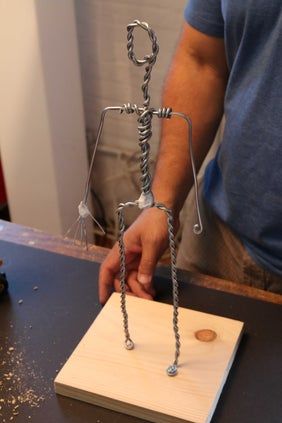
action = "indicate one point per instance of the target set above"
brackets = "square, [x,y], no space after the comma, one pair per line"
[243,184]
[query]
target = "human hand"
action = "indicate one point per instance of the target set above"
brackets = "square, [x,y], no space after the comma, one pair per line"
[145,241]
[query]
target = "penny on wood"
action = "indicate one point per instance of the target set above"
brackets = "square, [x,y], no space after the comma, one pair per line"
[205,335]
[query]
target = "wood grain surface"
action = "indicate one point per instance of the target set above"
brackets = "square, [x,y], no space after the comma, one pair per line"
[101,371]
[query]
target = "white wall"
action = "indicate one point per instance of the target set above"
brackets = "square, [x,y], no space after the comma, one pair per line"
[43,149]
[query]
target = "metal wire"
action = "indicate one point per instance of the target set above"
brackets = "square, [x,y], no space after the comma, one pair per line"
[122,256]
[172,370]
[145,133]
[99,133]
[83,210]
[129,344]
[167,113]
[150,60]
[145,118]
[145,115]
[198,227]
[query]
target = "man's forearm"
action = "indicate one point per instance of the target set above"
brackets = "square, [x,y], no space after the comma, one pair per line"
[195,86]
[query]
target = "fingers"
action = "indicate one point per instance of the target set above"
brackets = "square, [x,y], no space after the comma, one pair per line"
[108,271]
[133,287]
[138,289]
[108,281]
[148,262]
[144,242]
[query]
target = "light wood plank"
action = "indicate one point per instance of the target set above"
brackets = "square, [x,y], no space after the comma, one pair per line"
[101,371]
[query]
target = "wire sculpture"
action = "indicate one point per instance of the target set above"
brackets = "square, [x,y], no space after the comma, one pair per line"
[145,114]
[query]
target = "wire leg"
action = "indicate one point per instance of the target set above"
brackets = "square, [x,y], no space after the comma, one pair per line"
[128,342]
[173,368]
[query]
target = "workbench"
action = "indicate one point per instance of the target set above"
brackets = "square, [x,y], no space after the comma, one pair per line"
[53,300]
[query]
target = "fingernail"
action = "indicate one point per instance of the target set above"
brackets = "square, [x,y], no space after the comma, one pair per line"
[144,279]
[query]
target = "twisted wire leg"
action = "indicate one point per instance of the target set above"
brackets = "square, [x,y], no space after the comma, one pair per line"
[129,344]
[173,368]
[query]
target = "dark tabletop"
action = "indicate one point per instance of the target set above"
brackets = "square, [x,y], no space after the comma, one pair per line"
[51,303]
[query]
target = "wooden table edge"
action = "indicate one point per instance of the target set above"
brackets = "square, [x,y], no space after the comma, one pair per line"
[31,237]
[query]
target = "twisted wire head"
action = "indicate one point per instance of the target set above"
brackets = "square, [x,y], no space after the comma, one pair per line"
[149,59]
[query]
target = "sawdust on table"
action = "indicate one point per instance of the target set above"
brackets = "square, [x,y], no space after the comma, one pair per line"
[22,387]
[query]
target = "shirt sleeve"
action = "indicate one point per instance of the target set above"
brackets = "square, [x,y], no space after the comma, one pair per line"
[205,16]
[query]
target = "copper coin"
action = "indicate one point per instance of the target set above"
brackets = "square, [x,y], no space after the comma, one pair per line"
[205,335]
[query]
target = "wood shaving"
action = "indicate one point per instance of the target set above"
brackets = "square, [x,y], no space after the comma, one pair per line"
[20,383]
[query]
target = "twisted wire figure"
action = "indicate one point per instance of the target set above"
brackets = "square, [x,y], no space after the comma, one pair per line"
[145,115]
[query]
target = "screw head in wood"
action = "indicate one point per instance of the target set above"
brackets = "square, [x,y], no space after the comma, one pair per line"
[129,345]
[172,370]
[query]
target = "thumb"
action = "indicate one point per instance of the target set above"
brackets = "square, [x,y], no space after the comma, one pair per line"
[147,265]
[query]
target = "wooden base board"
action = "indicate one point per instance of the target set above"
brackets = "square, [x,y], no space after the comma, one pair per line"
[102,372]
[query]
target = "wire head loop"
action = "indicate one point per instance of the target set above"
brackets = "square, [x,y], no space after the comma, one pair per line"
[149,58]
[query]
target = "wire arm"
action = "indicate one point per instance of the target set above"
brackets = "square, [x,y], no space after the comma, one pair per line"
[167,113]
[83,210]
[99,133]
